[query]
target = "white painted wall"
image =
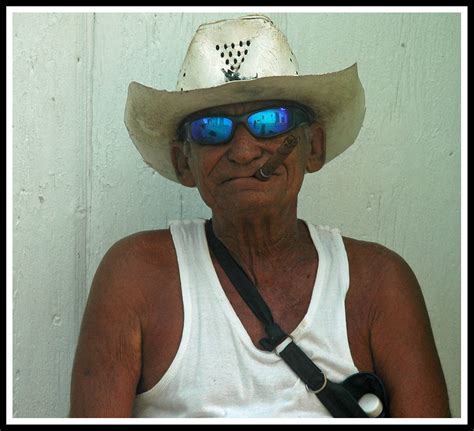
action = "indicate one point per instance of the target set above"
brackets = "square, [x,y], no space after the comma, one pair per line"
[79,185]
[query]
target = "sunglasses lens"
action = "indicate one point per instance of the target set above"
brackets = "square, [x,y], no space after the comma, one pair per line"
[211,130]
[270,122]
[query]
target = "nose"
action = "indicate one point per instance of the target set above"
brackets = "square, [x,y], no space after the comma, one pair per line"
[244,147]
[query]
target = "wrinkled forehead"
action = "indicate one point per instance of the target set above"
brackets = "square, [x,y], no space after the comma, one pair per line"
[240,108]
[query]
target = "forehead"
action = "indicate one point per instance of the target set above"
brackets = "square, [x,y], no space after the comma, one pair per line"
[239,108]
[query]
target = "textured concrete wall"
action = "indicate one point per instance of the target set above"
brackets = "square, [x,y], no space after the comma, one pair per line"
[80,185]
[52,123]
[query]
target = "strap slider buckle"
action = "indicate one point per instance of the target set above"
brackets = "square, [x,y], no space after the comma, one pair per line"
[282,346]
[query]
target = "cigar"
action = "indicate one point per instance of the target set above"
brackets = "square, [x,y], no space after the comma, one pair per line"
[282,152]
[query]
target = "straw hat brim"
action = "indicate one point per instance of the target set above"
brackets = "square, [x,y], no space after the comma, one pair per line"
[152,116]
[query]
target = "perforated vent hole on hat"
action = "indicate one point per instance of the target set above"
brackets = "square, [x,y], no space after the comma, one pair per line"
[235,53]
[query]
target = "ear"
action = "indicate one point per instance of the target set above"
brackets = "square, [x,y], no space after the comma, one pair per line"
[317,154]
[180,164]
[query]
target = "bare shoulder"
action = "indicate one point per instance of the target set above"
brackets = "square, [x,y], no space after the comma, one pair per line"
[374,260]
[141,248]
[383,289]
[386,309]
[382,278]
[131,279]
[374,270]
[142,265]
[132,263]
[368,263]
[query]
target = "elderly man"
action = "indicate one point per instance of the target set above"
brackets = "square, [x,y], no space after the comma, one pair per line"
[169,331]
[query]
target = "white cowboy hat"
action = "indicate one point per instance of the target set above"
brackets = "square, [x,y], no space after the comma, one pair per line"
[241,60]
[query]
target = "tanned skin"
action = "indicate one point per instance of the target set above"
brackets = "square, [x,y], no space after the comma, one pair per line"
[133,320]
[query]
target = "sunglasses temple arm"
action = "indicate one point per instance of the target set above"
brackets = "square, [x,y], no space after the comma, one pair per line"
[282,152]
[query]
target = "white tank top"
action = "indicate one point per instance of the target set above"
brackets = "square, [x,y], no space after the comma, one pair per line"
[218,372]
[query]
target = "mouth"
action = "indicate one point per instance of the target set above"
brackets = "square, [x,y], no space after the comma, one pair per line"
[247,177]
[232,179]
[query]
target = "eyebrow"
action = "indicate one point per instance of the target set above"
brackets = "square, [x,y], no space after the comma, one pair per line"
[249,107]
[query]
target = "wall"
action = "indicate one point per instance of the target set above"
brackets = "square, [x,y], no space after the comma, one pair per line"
[79,185]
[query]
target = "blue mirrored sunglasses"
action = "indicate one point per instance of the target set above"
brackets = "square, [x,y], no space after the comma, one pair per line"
[266,123]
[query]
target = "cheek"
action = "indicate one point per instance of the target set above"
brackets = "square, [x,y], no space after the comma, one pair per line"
[302,151]
[202,162]
[195,165]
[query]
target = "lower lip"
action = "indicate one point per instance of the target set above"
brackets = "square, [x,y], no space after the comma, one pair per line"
[251,179]
[249,184]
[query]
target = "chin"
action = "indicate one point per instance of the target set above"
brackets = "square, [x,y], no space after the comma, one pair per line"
[248,203]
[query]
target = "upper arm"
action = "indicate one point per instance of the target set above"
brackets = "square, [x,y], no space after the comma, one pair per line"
[402,344]
[107,363]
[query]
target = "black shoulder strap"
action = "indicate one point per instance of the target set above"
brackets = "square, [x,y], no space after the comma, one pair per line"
[335,397]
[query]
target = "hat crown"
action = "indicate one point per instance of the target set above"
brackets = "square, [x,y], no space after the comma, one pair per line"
[245,48]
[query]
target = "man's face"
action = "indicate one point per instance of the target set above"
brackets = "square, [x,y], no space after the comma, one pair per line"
[224,174]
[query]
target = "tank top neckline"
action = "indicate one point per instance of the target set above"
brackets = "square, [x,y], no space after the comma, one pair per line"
[232,314]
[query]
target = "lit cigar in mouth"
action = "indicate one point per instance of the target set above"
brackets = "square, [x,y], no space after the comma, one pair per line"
[282,152]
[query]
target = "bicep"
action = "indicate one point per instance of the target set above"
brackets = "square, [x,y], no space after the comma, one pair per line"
[107,367]
[403,347]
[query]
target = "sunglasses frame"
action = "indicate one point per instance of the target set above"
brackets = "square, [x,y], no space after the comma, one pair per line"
[185,127]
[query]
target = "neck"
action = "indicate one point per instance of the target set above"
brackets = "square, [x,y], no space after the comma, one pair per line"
[260,242]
